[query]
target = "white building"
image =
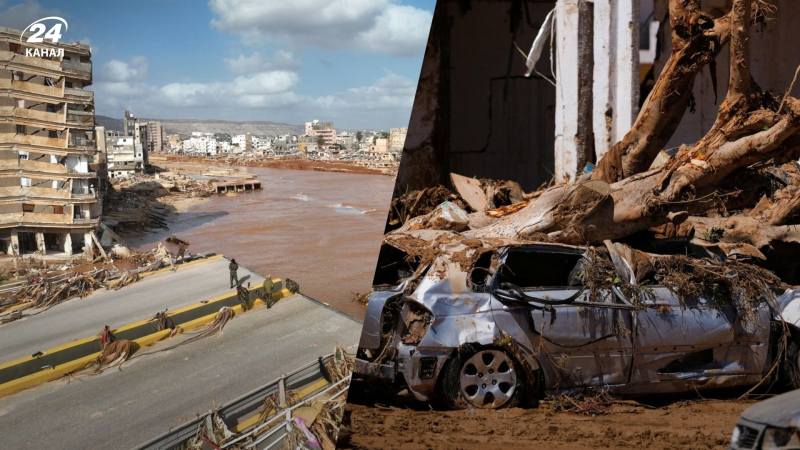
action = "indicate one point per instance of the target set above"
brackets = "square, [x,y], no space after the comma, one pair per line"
[200,146]
[125,154]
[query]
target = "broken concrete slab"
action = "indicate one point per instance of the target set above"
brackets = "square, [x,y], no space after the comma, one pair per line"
[470,190]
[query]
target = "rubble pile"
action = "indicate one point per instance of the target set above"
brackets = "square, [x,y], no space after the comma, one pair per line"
[142,200]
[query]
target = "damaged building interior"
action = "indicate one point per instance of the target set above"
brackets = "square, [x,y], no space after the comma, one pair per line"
[50,197]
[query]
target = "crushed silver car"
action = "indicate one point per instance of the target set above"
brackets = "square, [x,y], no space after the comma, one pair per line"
[495,323]
[771,424]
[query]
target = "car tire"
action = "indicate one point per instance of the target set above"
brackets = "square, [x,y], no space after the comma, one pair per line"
[790,368]
[486,378]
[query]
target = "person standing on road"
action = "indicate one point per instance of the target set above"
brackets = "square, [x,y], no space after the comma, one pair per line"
[268,291]
[181,251]
[234,268]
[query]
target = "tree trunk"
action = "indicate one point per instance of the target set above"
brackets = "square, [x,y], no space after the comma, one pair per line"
[743,134]
[696,40]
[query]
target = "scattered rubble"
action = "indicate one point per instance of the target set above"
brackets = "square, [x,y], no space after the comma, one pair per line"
[44,289]
[144,201]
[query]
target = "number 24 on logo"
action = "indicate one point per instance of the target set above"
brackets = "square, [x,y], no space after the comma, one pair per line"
[38,29]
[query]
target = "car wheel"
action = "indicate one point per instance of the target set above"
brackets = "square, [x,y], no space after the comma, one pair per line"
[790,369]
[487,378]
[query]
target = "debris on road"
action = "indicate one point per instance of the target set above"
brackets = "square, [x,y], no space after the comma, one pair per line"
[314,422]
[45,289]
[114,353]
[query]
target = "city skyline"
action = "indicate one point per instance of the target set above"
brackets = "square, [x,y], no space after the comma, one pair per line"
[280,62]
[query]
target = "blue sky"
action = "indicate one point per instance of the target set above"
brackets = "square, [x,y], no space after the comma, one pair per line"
[353,62]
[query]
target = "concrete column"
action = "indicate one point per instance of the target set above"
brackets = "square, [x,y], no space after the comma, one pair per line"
[68,244]
[625,66]
[616,71]
[87,244]
[14,250]
[602,111]
[40,242]
[566,89]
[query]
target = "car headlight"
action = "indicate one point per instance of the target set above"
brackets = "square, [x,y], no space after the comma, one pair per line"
[781,438]
[735,436]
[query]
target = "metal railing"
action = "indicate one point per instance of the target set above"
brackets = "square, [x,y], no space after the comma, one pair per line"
[234,411]
[83,193]
[75,92]
[81,142]
[76,66]
[80,119]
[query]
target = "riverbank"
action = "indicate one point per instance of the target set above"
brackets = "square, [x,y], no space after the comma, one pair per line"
[202,166]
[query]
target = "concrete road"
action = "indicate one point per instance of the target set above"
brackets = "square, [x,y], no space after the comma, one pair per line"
[151,394]
[80,318]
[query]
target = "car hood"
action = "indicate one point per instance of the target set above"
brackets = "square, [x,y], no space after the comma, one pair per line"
[782,411]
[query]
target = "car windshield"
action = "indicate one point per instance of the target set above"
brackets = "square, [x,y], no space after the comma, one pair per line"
[533,270]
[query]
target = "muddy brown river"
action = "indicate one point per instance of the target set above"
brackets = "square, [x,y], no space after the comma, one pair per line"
[321,229]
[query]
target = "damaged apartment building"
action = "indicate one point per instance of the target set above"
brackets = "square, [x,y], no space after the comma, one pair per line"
[50,198]
[128,150]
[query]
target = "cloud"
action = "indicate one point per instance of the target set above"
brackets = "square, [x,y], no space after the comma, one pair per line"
[281,60]
[391,91]
[267,89]
[21,15]
[121,71]
[261,95]
[398,31]
[263,86]
[121,85]
[373,25]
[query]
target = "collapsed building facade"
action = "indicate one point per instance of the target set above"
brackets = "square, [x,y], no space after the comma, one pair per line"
[50,194]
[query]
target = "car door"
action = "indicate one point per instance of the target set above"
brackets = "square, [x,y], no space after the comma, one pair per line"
[586,342]
[695,339]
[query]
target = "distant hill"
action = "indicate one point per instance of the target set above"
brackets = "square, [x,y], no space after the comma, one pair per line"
[186,126]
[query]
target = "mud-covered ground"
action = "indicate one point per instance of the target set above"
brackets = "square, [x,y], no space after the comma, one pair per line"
[682,424]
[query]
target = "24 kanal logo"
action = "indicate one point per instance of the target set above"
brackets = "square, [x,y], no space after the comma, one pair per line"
[41,33]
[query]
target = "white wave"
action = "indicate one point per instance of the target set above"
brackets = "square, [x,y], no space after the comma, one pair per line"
[347,209]
[302,197]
